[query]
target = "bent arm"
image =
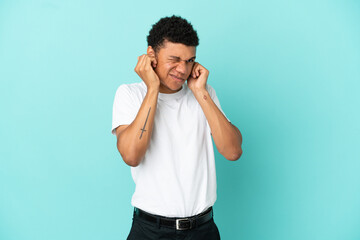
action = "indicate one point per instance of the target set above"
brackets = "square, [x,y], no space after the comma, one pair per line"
[133,140]
[226,136]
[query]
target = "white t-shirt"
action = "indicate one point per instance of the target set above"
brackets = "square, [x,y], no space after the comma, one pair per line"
[176,177]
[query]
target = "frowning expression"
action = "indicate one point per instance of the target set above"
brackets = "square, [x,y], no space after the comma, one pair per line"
[174,65]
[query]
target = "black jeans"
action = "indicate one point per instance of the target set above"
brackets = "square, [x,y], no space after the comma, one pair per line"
[144,230]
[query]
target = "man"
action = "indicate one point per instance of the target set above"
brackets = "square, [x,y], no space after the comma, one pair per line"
[164,126]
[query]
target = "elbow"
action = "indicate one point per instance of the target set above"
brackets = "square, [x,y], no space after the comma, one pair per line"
[131,159]
[233,155]
[132,163]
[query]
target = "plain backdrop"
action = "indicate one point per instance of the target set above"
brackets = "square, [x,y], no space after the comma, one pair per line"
[287,74]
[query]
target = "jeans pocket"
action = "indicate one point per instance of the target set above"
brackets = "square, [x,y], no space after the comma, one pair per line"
[216,230]
[142,230]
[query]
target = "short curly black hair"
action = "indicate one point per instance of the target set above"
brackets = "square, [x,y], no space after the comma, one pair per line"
[174,29]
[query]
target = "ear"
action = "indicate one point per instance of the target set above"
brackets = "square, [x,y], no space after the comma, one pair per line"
[150,51]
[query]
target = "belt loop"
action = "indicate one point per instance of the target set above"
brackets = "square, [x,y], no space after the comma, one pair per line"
[134,214]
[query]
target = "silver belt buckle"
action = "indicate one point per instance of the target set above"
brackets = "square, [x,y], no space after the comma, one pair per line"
[178,224]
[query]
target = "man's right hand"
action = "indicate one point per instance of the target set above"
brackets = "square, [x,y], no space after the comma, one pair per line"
[144,68]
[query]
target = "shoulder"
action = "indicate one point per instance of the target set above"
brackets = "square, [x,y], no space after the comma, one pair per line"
[132,89]
[209,87]
[211,90]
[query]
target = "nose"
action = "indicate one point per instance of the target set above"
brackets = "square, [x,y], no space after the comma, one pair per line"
[181,67]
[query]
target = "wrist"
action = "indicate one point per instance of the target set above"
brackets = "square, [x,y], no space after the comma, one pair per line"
[153,88]
[201,93]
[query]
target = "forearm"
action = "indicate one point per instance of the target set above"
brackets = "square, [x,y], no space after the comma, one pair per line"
[227,137]
[134,141]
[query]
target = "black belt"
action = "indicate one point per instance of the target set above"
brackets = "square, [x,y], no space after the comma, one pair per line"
[177,223]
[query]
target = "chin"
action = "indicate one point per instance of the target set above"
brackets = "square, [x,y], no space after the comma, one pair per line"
[171,88]
[175,88]
[170,85]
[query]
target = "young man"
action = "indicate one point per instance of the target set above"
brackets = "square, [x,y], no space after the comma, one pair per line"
[164,126]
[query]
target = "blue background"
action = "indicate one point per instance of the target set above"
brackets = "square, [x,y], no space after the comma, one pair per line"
[286,73]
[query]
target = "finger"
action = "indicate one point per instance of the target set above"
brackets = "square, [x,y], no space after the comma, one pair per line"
[194,70]
[139,64]
[200,70]
[147,62]
[142,60]
[197,71]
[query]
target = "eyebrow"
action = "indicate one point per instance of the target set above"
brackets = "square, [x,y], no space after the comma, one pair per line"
[180,58]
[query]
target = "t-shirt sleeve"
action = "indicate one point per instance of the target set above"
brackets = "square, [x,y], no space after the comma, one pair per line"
[124,109]
[213,96]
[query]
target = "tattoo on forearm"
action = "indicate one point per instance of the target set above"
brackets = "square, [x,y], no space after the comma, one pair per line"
[143,129]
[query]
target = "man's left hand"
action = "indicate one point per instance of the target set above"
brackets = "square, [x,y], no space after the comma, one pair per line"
[198,78]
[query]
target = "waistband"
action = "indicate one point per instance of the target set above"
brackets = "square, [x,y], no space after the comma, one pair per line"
[176,223]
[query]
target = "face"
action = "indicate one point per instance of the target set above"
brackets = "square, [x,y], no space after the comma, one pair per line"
[174,65]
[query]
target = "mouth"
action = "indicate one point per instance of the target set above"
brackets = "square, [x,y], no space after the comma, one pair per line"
[177,78]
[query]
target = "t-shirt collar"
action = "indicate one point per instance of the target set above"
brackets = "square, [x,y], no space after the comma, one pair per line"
[173,96]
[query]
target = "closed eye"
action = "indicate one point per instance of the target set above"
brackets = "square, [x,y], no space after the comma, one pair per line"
[177,59]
